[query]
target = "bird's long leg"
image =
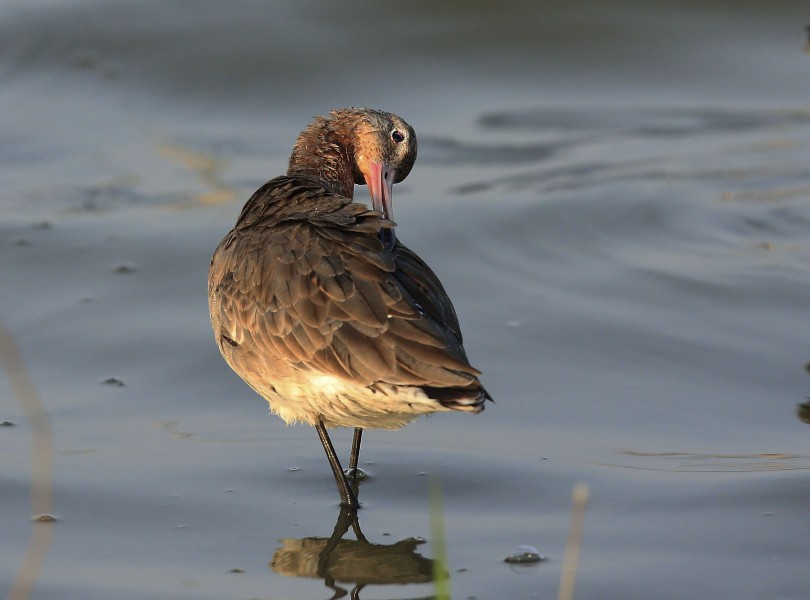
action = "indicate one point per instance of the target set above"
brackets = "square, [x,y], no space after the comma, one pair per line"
[355,455]
[347,496]
[352,474]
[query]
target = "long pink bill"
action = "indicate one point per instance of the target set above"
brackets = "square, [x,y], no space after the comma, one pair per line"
[380,180]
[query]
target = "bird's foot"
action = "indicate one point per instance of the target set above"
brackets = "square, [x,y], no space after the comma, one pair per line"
[355,474]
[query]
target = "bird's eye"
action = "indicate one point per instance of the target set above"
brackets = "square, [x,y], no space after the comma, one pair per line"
[397,136]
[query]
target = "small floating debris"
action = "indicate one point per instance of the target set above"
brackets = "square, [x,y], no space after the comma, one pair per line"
[294,469]
[803,412]
[20,240]
[237,570]
[84,59]
[124,268]
[525,555]
[116,381]
[45,518]
[7,424]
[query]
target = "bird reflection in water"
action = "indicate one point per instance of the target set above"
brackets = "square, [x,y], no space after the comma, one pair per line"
[355,562]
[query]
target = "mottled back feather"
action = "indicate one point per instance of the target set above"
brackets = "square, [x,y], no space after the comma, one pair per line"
[303,284]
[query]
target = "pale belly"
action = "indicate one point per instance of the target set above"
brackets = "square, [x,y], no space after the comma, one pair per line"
[342,404]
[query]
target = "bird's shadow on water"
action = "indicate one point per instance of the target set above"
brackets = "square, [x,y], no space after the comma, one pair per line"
[352,562]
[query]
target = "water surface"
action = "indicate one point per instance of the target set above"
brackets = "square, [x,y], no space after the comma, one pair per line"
[617,200]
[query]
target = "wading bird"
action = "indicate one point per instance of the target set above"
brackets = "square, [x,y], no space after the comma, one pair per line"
[321,310]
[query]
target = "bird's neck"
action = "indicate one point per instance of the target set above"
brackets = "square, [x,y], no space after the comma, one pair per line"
[324,154]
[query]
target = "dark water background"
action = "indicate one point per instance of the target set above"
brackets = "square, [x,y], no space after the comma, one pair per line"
[616,196]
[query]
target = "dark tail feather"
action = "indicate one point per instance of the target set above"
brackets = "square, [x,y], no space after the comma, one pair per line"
[467,399]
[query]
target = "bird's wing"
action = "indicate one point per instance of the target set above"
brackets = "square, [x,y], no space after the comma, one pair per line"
[422,284]
[309,285]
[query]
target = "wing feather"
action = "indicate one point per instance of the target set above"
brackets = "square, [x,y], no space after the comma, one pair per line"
[304,282]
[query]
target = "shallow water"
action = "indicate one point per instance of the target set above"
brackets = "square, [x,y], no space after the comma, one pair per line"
[617,200]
